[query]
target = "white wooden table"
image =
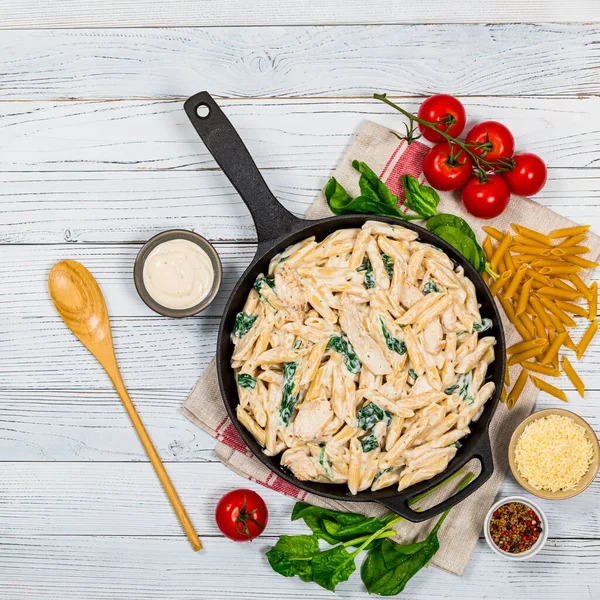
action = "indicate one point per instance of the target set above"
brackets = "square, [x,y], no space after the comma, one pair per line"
[96,156]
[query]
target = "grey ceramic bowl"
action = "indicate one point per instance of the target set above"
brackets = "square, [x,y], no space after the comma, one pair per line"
[165,236]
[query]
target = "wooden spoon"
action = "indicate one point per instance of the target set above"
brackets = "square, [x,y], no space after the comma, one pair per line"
[80,303]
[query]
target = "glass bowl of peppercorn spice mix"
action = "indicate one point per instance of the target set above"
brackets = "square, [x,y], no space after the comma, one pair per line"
[516,528]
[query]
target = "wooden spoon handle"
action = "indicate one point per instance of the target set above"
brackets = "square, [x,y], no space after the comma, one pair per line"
[164,478]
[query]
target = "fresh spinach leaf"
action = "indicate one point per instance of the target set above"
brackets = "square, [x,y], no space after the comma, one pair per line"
[483,326]
[393,344]
[288,398]
[430,287]
[293,554]
[369,442]
[315,517]
[375,197]
[463,243]
[370,414]
[422,199]
[445,219]
[331,567]
[243,324]
[344,347]
[246,381]
[388,263]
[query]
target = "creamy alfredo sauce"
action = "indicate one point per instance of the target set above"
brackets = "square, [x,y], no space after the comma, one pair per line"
[178,274]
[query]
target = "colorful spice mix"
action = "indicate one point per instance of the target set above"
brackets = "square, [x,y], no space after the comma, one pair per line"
[515,527]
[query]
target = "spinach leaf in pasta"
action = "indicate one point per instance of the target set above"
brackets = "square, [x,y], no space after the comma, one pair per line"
[483,326]
[246,381]
[430,287]
[393,344]
[324,461]
[288,398]
[388,263]
[344,347]
[370,414]
[369,442]
[243,324]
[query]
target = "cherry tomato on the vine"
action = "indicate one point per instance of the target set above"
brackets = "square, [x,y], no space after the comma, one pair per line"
[529,175]
[486,199]
[447,167]
[241,515]
[445,110]
[492,141]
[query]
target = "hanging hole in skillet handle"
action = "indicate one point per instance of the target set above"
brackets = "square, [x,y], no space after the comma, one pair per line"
[272,220]
[203,111]
[482,452]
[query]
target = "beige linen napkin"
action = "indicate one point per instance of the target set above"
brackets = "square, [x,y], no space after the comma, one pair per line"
[391,158]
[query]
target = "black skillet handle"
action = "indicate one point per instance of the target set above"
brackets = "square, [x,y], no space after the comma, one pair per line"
[272,220]
[482,452]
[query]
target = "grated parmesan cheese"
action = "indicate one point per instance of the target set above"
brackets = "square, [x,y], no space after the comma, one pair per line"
[553,453]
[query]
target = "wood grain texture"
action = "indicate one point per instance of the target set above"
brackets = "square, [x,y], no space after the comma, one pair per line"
[153,353]
[405,60]
[91,425]
[173,13]
[309,134]
[128,568]
[126,207]
[112,499]
[81,512]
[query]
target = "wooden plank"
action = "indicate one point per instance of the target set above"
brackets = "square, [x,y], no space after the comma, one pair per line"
[91,425]
[116,499]
[24,271]
[41,353]
[307,134]
[38,208]
[164,568]
[87,425]
[24,284]
[484,60]
[31,14]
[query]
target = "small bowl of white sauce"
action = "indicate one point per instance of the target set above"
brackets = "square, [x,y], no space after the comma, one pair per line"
[177,273]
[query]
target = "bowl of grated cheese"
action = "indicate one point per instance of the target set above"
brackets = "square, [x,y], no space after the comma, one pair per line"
[554,454]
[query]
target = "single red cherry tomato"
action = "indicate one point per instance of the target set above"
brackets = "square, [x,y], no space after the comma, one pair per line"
[241,515]
[529,175]
[487,199]
[447,167]
[445,110]
[492,141]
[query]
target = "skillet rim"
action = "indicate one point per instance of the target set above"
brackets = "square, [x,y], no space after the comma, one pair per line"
[271,247]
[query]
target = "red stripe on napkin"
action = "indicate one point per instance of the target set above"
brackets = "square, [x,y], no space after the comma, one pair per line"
[409,163]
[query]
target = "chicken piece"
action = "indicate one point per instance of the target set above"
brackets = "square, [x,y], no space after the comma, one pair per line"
[366,348]
[311,419]
[433,337]
[300,463]
[290,291]
[410,294]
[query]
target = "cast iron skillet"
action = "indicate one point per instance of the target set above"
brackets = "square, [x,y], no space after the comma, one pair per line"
[277,228]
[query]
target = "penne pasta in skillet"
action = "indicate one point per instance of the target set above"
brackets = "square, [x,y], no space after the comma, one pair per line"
[361,359]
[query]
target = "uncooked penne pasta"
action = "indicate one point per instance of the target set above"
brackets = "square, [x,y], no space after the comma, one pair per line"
[593,301]
[532,234]
[513,395]
[568,231]
[550,389]
[572,375]
[587,338]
